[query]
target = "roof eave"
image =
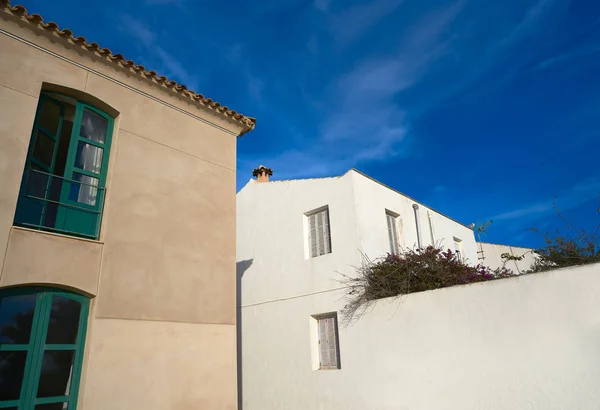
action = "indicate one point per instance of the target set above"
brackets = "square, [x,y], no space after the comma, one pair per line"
[35,20]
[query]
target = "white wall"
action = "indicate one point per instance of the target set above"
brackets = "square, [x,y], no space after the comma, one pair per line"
[492,257]
[271,237]
[281,287]
[372,199]
[524,343]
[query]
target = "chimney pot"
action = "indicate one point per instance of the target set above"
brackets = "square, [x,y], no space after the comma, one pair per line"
[262,173]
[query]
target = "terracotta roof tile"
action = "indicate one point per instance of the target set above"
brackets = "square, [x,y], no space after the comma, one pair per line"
[247,122]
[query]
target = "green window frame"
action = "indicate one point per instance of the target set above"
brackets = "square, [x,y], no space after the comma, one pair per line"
[28,337]
[64,181]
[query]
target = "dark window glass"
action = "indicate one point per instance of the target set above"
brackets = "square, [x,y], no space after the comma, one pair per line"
[43,150]
[51,406]
[12,368]
[57,366]
[16,315]
[93,126]
[37,182]
[64,321]
[49,116]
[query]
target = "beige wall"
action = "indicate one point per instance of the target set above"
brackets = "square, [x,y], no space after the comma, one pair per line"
[74,262]
[186,366]
[162,328]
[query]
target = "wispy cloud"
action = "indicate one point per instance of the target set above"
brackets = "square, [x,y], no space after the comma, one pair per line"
[238,56]
[531,17]
[547,63]
[167,64]
[361,116]
[349,24]
[169,2]
[322,5]
[581,193]
[360,119]
[499,51]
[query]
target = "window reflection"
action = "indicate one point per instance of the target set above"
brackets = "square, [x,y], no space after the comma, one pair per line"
[16,316]
[12,369]
[57,367]
[86,191]
[64,321]
[93,126]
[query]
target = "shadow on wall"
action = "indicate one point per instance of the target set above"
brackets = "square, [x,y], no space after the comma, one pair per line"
[240,268]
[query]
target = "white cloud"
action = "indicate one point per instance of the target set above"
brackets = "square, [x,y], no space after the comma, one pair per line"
[547,63]
[361,121]
[353,22]
[137,29]
[167,64]
[524,28]
[581,193]
[322,5]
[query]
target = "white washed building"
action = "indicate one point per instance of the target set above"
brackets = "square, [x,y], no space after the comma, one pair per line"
[493,255]
[294,240]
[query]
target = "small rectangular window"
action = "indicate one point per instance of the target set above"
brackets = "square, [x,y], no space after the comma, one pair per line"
[458,249]
[392,225]
[329,350]
[319,237]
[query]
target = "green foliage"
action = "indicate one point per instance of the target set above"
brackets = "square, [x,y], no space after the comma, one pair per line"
[411,271]
[574,246]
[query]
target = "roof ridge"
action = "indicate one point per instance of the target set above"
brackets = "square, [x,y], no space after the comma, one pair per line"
[20,11]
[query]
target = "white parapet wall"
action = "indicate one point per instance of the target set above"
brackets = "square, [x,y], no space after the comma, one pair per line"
[523,343]
[491,255]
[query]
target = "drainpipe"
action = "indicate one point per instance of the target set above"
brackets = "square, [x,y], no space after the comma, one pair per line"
[416,209]
[431,229]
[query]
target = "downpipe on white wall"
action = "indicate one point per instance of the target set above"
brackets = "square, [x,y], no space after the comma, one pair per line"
[417,224]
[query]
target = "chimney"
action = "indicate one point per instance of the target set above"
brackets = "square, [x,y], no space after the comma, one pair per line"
[262,173]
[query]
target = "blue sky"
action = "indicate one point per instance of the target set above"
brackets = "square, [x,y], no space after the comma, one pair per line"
[482,110]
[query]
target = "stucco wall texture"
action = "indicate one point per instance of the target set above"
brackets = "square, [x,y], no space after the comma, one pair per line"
[524,343]
[492,257]
[161,276]
[272,239]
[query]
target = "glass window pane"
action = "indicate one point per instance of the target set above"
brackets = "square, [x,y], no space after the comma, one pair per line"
[57,366]
[37,182]
[89,157]
[43,150]
[51,406]
[83,189]
[12,368]
[16,315]
[49,116]
[64,321]
[93,126]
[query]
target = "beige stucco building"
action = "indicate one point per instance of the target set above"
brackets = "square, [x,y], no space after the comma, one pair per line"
[119,207]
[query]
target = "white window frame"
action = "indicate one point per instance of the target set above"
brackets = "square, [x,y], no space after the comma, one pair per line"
[392,229]
[319,232]
[458,249]
[327,341]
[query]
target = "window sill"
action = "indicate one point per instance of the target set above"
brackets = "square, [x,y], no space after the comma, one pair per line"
[320,257]
[77,238]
